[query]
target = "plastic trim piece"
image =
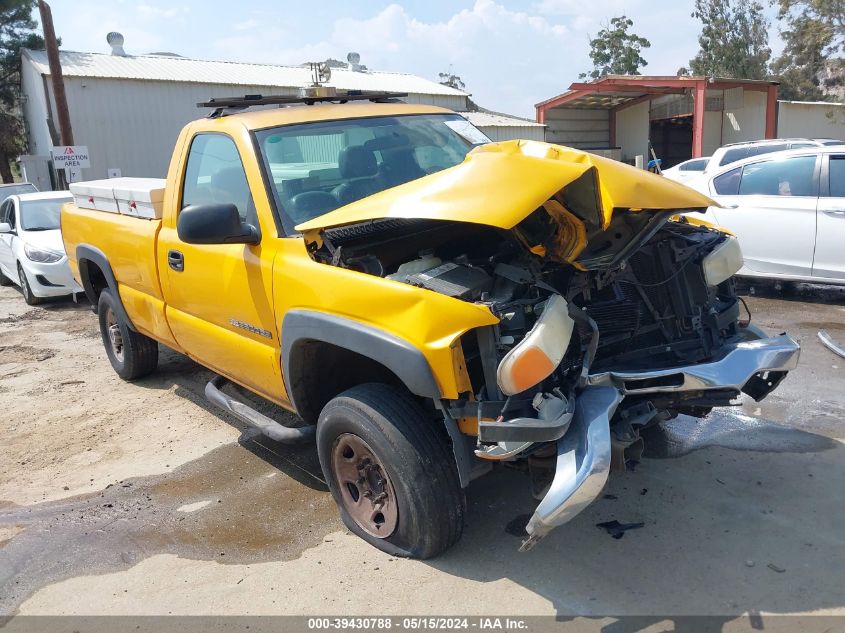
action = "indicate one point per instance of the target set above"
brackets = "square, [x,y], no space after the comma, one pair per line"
[398,355]
[86,253]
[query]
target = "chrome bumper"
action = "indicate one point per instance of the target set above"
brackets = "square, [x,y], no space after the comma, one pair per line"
[583,454]
[583,463]
[740,363]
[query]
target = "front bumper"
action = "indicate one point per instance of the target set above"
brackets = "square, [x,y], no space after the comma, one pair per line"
[754,365]
[50,280]
[737,368]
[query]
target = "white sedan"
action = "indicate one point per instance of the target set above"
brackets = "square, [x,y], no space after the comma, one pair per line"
[788,211]
[689,169]
[31,251]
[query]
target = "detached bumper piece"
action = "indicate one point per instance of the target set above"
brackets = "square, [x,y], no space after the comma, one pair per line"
[583,464]
[756,365]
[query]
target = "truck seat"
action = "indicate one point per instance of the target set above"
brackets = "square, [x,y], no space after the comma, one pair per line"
[359,168]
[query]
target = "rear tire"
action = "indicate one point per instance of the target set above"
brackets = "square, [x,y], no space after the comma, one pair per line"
[131,354]
[380,435]
[31,299]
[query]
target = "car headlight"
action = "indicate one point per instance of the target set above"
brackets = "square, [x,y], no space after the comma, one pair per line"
[536,356]
[41,256]
[725,260]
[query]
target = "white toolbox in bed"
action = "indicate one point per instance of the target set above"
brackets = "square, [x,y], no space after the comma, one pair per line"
[139,197]
[94,194]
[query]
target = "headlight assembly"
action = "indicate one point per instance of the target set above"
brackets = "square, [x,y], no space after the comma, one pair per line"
[41,256]
[536,356]
[723,262]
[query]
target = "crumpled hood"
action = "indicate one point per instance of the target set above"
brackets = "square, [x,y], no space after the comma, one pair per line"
[500,184]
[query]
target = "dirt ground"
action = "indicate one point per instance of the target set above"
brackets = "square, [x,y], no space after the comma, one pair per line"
[120,498]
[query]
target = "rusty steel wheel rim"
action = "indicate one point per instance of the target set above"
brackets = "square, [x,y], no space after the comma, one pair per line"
[115,337]
[365,489]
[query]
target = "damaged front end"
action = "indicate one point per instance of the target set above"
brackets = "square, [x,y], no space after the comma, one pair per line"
[612,316]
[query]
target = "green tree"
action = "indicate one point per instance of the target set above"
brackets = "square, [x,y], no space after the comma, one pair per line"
[734,40]
[616,51]
[451,80]
[811,66]
[17,30]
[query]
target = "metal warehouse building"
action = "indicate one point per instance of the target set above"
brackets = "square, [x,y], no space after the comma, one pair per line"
[128,110]
[683,117]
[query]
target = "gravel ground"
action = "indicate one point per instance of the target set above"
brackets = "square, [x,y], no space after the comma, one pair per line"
[120,498]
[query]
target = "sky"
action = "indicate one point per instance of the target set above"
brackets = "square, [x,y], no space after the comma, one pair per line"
[510,54]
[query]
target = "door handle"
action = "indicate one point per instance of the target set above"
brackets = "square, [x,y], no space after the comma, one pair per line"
[176,260]
[837,213]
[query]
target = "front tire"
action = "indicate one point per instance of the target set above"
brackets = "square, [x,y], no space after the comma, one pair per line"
[131,354]
[391,471]
[26,290]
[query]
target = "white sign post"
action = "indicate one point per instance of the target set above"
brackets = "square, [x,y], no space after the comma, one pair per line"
[71,158]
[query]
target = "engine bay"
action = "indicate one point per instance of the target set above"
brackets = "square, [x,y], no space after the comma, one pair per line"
[637,293]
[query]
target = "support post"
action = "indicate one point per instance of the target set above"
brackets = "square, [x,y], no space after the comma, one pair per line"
[611,114]
[698,108]
[772,112]
[65,130]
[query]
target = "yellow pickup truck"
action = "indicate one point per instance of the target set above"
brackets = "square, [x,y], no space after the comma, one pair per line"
[428,302]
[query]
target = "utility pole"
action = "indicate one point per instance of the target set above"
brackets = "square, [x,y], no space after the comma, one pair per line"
[65,130]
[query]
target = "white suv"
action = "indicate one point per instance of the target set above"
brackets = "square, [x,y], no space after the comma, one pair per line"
[733,152]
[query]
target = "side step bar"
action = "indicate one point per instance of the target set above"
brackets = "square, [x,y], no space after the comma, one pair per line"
[247,414]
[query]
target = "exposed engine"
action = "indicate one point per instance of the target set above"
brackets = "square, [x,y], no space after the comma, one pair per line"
[644,292]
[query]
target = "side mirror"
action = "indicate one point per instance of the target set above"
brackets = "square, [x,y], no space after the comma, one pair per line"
[6,228]
[214,224]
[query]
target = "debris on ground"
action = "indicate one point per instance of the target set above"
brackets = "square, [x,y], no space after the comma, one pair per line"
[774,567]
[616,529]
[830,344]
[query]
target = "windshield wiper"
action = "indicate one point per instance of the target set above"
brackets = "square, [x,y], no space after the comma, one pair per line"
[41,228]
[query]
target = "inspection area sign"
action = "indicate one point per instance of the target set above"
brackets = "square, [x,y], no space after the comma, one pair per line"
[71,157]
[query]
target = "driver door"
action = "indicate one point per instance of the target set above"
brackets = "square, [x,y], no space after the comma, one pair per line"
[7,256]
[219,295]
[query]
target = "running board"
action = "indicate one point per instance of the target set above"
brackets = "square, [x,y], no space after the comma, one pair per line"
[248,415]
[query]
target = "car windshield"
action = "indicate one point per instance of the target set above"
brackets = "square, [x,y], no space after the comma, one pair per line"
[14,190]
[318,167]
[41,215]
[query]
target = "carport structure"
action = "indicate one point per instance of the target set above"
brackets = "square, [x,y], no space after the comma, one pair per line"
[684,117]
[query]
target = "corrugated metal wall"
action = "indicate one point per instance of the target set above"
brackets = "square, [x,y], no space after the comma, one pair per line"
[811,120]
[510,132]
[581,128]
[132,125]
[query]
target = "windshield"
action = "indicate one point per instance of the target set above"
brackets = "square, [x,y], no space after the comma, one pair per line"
[14,190]
[41,215]
[317,167]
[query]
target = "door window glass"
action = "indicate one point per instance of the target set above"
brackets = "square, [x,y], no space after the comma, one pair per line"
[837,176]
[733,155]
[215,175]
[694,165]
[10,214]
[785,177]
[4,211]
[728,183]
[768,149]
